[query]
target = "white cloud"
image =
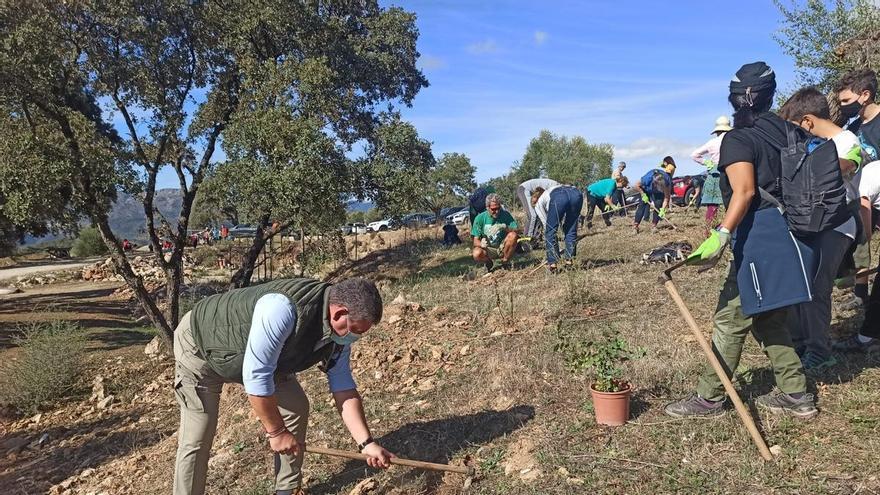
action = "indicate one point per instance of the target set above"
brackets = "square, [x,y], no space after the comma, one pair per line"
[483,47]
[431,62]
[540,37]
[653,147]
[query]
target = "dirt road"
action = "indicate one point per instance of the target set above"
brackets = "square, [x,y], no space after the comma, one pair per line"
[43,266]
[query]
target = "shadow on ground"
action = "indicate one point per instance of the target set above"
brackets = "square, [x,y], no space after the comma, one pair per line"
[89,307]
[69,450]
[435,441]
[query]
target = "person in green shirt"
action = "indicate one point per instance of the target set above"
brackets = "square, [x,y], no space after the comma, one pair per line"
[495,234]
[601,194]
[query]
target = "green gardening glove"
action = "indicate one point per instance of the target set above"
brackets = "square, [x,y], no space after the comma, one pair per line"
[662,212]
[710,251]
[645,198]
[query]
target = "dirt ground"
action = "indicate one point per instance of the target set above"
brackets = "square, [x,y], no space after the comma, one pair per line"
[464,369]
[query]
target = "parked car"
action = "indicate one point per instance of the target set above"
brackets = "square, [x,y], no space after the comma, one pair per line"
[242,230]
[346,229]
[683,188]
[445,212]
[383,225]
[459,218]
[414,220]
[358,228]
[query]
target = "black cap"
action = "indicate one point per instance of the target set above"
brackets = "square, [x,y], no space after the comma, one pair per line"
[758,76]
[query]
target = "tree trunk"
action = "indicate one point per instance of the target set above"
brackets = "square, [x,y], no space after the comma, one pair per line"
[242,276]
[136,282]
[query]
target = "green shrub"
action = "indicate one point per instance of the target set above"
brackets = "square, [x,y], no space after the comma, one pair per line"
[50,359]
[89,243]
[603,357]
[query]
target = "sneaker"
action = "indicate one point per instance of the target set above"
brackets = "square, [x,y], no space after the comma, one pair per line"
[813,361]
[782,403]
[695,407]
[854,344]
[552,269]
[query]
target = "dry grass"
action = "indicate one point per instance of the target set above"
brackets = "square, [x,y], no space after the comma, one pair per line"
[473,377]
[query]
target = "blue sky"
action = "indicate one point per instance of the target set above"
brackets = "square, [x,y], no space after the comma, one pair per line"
[648,77]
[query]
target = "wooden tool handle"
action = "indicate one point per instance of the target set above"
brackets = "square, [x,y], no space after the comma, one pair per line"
[314,449]
[719,370]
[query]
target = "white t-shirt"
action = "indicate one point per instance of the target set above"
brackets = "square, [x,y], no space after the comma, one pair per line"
[543,204]
[869,186]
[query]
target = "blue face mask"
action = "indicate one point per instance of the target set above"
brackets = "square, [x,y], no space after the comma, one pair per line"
[347,339]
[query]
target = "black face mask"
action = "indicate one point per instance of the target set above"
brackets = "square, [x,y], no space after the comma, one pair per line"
[850,110]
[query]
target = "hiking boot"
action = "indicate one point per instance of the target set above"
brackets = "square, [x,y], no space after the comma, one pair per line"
[782,403]
[815,362]
[635,230]
[854,344]
[695,407]
[854,303]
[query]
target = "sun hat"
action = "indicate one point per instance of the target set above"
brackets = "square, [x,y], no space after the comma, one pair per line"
[722,124]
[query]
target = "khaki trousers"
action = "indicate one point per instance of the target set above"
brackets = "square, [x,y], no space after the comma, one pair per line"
[197,389]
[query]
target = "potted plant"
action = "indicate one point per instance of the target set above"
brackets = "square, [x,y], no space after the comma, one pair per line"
[611,393]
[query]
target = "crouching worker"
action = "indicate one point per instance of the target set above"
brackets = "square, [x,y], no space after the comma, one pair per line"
[767,275]
[601,194]
[262,336]
[555,206]
[495,235]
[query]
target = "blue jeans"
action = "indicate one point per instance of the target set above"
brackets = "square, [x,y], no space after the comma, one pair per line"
[644,211]
[565,206]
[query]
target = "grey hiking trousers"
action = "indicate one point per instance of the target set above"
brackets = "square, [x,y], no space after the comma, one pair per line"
[197,388]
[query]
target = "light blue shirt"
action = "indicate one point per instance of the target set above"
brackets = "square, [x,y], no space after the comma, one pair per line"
[273,322]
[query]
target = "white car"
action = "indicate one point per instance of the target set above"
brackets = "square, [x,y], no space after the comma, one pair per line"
[459,217]
[358,228]
[379,225]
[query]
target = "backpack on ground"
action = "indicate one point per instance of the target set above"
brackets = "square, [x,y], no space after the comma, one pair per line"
[810,183]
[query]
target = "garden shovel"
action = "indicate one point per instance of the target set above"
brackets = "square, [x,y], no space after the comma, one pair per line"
[744,416]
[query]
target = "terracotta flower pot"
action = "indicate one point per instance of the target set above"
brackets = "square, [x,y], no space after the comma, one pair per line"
[612,408]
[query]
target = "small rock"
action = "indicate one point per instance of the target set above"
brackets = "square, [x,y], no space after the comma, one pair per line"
[103,403]
[36,418]
[426,385]
[776,450]
[97,389]
[400,299]
[436,353]
[563,471]
[465,350]
[395,407]
[152,348]
[394,319]
[86,473]
[66,483]
[43,439]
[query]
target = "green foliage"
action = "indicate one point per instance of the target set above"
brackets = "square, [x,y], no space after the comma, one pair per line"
[450,181]
[568,160]
[828,39]
[373,215]
[47,366]
[603,357]
[88,243]
[395,172]
[355,217]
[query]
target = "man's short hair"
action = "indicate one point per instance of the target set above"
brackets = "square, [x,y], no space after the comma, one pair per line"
[492,198]
[858,81]
[624,181]
[360,296]
[806,101]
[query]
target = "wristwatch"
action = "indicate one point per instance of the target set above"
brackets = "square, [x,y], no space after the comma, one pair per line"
[363,445]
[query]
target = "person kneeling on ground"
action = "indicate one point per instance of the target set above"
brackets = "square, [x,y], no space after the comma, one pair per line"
[559,204]
[261,337]
[495,234]
[601,194]
[748,162]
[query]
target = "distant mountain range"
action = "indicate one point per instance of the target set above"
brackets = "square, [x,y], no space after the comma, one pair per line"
[128,221]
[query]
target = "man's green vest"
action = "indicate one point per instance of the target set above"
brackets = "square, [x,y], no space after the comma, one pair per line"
[221,324]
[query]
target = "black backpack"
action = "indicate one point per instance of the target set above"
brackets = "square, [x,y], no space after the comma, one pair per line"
[811,185]
[477,199]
